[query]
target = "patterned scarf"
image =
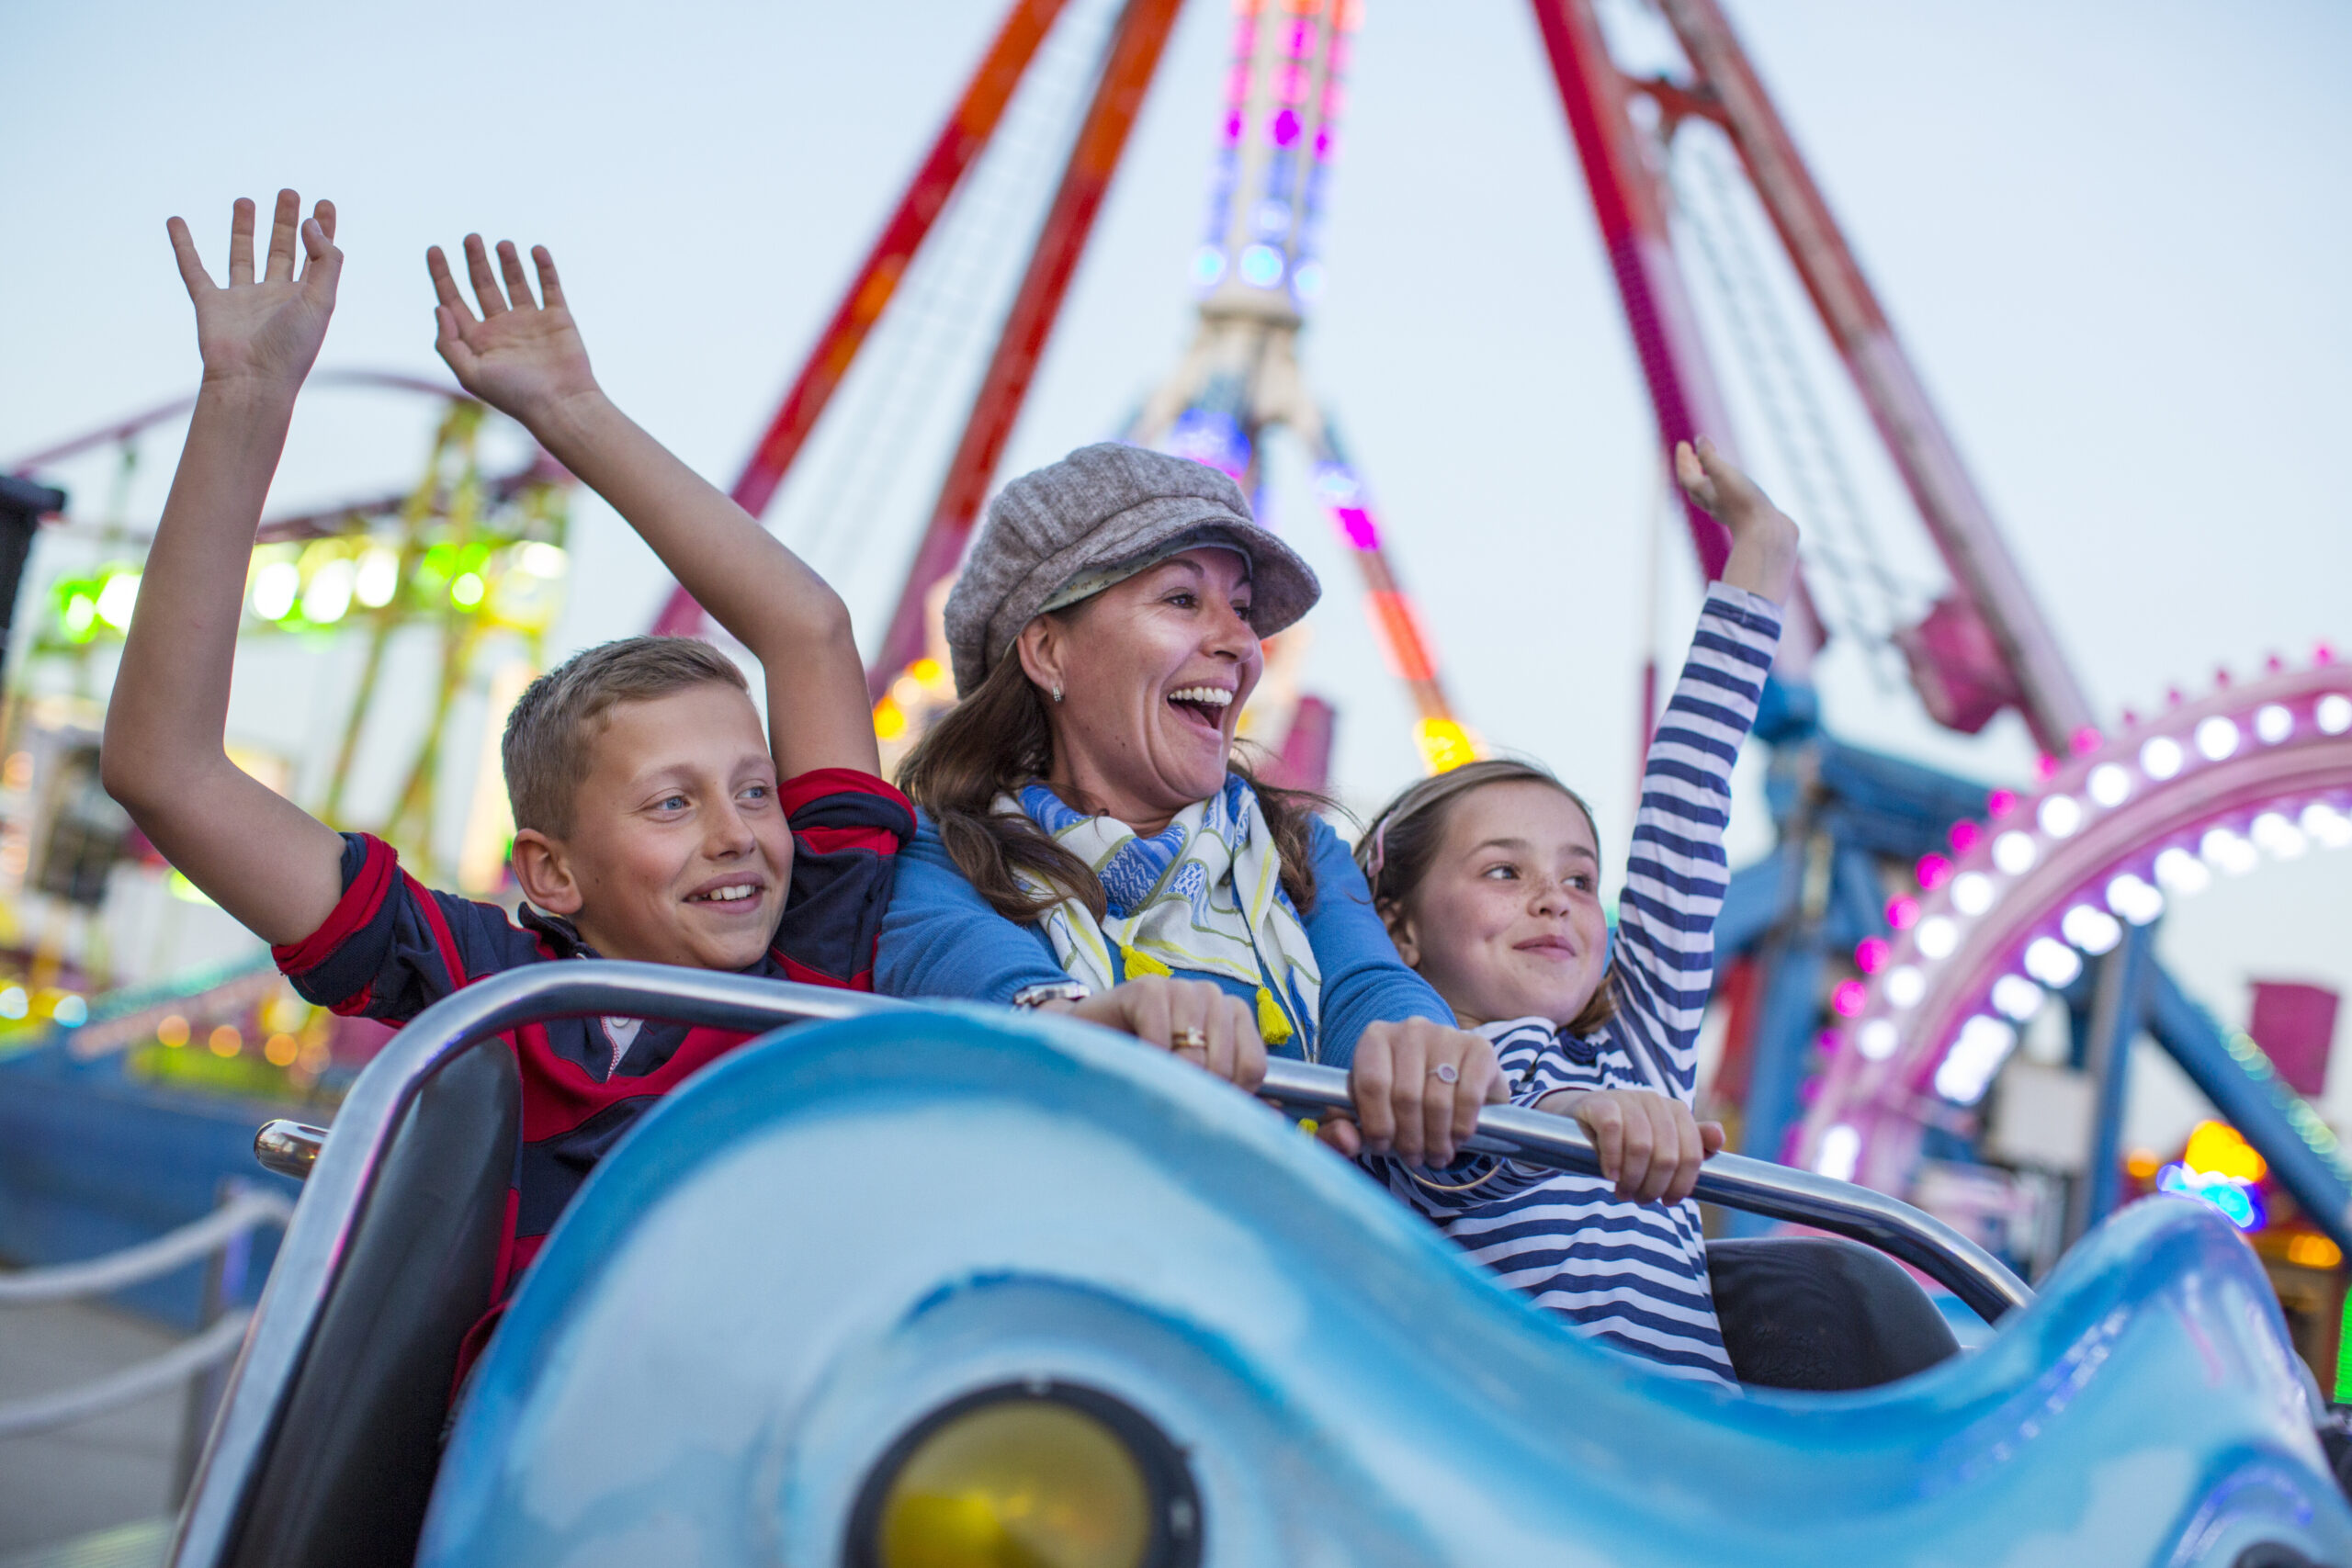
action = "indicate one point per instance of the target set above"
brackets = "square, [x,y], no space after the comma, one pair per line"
[1204,895]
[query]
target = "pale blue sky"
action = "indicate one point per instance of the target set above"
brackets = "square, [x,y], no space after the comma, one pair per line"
[2113,237]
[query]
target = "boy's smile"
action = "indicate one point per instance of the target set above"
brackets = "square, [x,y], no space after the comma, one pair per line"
[678,852]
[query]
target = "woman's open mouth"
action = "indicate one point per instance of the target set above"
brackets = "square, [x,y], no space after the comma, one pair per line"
[1204,706]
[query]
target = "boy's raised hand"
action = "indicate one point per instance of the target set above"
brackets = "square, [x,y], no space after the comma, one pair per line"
[264,333]
[522,356]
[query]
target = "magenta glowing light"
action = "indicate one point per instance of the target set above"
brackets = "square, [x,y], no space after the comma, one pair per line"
[2045,768]
[2086,740]
[1903,913]
[1872,953]
[1934,872]
[1963,836]
[1356,523]
[2000,803]
[1324,142]
[1848,999]
[1233,127]
[1285,127]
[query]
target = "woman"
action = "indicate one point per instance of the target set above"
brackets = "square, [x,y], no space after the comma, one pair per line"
[1087,842]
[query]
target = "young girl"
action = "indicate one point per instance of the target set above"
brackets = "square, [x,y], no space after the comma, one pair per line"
[1489,880]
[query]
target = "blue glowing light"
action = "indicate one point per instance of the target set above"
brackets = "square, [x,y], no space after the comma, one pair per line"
[1261,266]
[1208,267]
[1272,218]
[2237,1200]
[1308,279]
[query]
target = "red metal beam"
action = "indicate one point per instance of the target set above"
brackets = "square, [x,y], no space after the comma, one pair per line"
[958,145]
[1949,503]
[1118,96]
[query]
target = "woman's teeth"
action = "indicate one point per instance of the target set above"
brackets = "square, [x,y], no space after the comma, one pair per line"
[726,894]
[1207,696]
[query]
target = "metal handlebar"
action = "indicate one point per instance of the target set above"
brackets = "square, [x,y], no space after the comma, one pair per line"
[350,1160]
[1757,1186]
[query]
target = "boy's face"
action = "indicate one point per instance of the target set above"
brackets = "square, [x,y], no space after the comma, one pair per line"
[679,852]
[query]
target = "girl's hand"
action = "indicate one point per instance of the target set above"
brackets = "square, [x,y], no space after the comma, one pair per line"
[523,356]
[1763,541]
[1157,1008]
[263,334]
[1418,1088]
[1650,1146]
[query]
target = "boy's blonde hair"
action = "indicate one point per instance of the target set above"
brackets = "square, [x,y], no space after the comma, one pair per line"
[554,722]
[1397,849]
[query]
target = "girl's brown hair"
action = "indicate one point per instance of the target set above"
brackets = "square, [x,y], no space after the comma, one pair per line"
[1000,738]
[1399,849]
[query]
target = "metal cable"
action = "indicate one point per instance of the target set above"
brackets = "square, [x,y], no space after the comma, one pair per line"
[133,1264]
[141,1379]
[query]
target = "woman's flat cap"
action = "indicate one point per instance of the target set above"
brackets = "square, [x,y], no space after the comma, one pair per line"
[1099,509]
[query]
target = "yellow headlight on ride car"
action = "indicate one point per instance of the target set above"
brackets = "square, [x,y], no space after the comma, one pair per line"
[1029,1476]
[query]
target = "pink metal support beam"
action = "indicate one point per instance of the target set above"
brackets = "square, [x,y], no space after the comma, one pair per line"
[958,145]
[1118,96]
[1923,450]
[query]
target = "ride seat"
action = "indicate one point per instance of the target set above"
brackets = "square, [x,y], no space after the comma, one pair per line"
[346,1480]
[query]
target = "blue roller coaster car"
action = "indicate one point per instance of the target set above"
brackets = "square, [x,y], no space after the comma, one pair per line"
[919,1287]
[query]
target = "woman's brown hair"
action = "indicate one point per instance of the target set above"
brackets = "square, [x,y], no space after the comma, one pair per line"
[1000,738]
[1399,849]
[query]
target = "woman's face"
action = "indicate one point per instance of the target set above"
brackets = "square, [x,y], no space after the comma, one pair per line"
[1508,923]
[1153,672]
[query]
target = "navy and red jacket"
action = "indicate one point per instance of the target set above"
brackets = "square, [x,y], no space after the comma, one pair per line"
[392,948]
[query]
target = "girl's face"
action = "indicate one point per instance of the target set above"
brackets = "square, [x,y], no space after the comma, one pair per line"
[1508,923]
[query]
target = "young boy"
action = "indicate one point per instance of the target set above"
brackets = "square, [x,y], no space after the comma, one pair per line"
[653,820]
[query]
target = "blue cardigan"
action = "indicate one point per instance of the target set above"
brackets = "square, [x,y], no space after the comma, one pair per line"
[942,938]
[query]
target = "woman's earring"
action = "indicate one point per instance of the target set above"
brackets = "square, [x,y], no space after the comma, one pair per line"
[1057,693]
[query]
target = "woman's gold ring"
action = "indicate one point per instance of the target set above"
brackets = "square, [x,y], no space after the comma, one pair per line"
[1189,1039]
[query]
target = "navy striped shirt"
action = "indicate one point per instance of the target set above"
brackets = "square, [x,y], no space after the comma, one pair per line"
[1630,1275]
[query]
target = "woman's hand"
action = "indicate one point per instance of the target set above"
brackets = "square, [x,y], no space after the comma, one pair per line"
[1650,1144]
[1157,1010]
[1418,1088]
[524,357]
[263,335]
[1763,541]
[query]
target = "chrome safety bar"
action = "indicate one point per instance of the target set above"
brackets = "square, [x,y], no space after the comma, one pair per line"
[1757,1186]
[352,1157]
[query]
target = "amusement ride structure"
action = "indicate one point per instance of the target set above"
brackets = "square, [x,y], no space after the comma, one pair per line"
[1880,963]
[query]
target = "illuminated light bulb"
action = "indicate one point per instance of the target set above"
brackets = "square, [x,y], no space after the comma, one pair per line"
[71,1012]
[2161,758]
[2216,738]
[541,559]
[2052,963]
[1932,871]
[117,598]
[1877,1039]
[2280,837]
[2060,814]
[906,692]
[1841,1150]
[81,615]
[1308,280]
[2223,848]
[1976,1053]
[2334,713]
[2014,853]
[1937,936]
[1272,217]
[2016,996]
[2092,929]
[1872,953]
[1846,1000]
[378,578]
[2273,724]
[2000,803]
[1972,892]
[1903,913]
[2183,873]
[466,592]
[1445,745]
[1963,835]
[14,1003]
[275,586]
[1208,267]
[328,597]
[2110,785]
[2327,824]
[1261,266]
[1906,986]
[2136,900]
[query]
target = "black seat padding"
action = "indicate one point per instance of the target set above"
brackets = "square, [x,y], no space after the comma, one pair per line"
[347,1477]
[1821,1312]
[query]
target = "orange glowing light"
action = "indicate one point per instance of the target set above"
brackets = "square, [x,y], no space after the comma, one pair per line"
[226,1041]
[2144,1164]
[2313,1251]
[281,1050]
[890,720]
[173,1030]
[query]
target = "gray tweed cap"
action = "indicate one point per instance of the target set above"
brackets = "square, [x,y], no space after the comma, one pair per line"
[1098,509]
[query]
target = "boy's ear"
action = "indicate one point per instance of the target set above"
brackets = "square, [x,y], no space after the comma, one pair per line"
[544,872]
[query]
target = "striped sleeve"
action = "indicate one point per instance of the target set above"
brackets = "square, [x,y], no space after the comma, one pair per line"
[1675,873]
[847,829]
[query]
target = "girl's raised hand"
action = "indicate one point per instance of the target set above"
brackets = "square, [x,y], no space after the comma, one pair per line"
[264,332]
[1763,540]
[521,356]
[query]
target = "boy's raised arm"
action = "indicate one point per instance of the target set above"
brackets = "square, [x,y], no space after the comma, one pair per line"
[526,358]
[261,858]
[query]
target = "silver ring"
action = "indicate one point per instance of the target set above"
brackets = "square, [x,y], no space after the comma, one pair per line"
[1188,1039]
[1445,1072]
